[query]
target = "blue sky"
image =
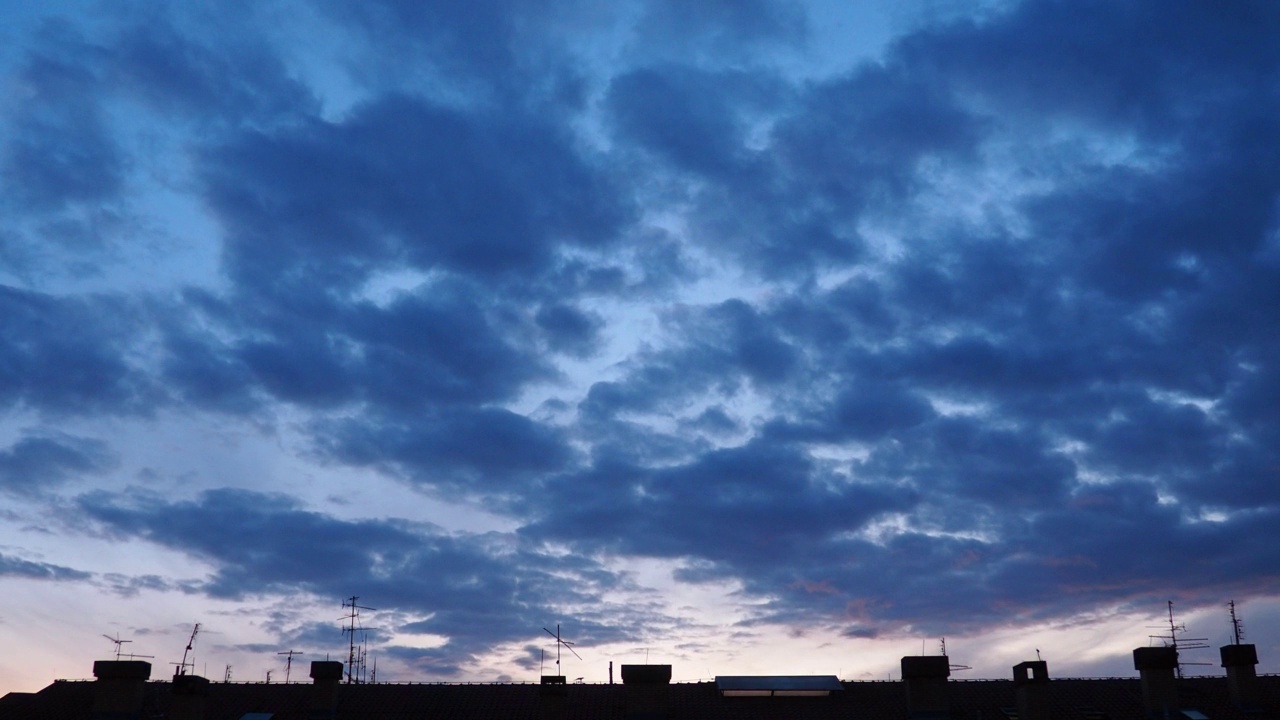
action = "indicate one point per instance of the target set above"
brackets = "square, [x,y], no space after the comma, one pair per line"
[745,336]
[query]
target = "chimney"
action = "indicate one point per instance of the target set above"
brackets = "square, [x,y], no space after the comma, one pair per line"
[120,688]
[1156,666]
[1031,685]
[188,698]
[646,688]
[1241,677]
[326,676]
[551,697]
[925,678]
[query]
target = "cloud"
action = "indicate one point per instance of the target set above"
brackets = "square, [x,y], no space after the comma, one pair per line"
[17,567]
[979,331]
[476,590]
[36,464]
[61,150]
[72,356]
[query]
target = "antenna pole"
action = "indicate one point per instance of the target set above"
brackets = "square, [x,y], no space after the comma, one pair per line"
[288,662]
[1172,638]
[119,643]
[191,643]
[561,642]
[1237,631]
[351,618]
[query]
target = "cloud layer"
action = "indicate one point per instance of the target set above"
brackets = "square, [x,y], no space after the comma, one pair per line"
[980,331]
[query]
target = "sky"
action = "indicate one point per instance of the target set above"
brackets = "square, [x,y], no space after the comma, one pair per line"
[748,337]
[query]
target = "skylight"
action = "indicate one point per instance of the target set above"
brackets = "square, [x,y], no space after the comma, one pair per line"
[777,685]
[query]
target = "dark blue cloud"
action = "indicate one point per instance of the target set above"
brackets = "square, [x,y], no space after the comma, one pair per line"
[478,590]
[1004,347]
[569,329]
[408,182]
[696,120]
[39,463]
[17,567]
[237,79]
[481,452]
[60,150]
[719,31]
[69,354]
[759,506]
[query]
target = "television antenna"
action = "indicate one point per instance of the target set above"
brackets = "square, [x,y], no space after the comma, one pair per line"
[1174,640]
[119,643]
[1237,626]
[352,618]
[952,666]
[120,647]
[288,662]
[191,643]
[561,642]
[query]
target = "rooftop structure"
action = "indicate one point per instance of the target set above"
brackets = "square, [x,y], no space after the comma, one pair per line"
[122,691]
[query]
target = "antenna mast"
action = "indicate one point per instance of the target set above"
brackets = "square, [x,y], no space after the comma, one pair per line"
[1172,640]
[351,618]
[1237,627]
[191,642]
[559,642]
[119,647]
[288,662]
[120,642]
[952,666]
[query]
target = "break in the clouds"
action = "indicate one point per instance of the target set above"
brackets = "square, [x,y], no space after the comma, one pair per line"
[977,328]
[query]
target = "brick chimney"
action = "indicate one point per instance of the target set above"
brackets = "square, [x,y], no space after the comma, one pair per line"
[646,688]
[188,697]
[1157,666]
[1242,679]
[120,688]
[1031,685]
[326,676]
[925,679]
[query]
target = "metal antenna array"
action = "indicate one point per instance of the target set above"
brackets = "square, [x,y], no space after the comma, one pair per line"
[952,666]
[560,642]
[191,642]
[288,662]
[1237,627]
[1174,641]
[362,657]
[351,618]
[120,642]
[119,647]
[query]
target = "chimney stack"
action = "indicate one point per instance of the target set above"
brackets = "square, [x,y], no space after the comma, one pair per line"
[1157,666]
[552,693]
[1031,685]
[925,678]
[1242,679]
[188,697]
[326,675]
[647,691]
[120,688]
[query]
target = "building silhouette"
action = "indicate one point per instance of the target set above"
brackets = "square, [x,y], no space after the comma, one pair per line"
[122,690]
